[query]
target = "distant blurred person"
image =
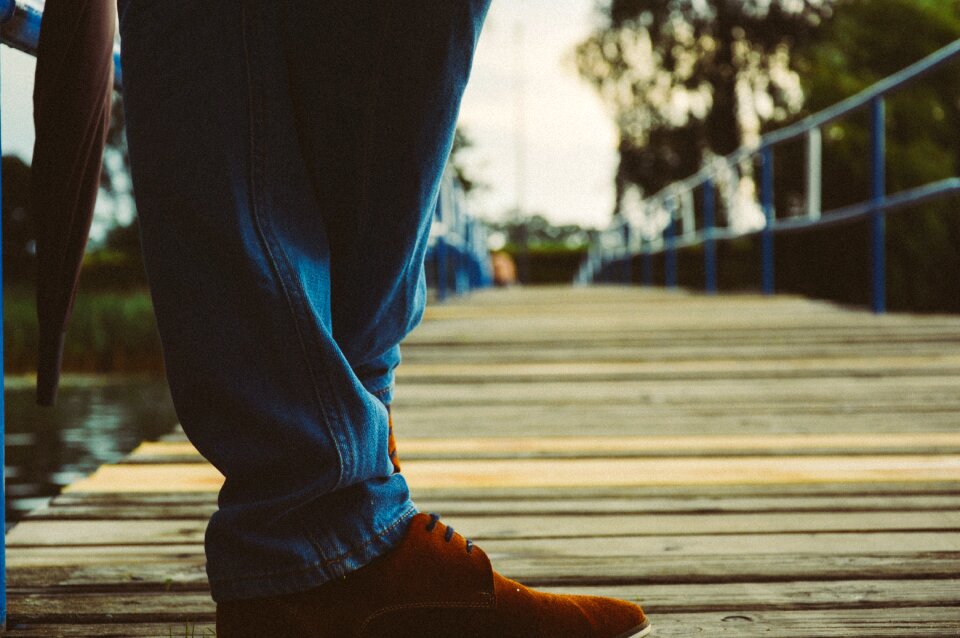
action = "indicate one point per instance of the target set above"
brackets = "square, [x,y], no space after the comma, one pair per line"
[287,158]
[504,269]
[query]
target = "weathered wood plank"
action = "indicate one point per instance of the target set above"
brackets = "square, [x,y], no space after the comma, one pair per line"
[876,392]
[111,630]
[686,491]
[941,622]
[35,532]
[742,466]
[706,416]
[132,508]
[71,606]
[692,370]
[180,567]
[627,447]
[559,473]
[909,622]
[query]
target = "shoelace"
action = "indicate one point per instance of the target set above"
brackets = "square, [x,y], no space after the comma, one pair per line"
[448,536]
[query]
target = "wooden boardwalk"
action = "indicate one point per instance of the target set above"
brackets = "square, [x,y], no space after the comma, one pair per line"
[742,466]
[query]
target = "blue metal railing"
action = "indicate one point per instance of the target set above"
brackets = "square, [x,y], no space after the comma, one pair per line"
[675,204]
[457,256]
[457,248]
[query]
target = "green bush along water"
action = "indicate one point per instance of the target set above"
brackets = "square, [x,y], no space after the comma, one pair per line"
[111,331]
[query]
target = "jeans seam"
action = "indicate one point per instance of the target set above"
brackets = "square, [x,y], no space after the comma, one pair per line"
[255,178]
[382,391]
[406,515]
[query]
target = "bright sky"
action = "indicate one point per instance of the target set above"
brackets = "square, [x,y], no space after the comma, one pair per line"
[569,142]
[524,64]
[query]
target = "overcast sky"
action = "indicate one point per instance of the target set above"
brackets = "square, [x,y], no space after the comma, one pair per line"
[524,64]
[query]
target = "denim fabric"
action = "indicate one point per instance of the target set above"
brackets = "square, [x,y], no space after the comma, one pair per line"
[286,158]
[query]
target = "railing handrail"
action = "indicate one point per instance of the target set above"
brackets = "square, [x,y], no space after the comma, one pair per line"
[679,194]
[880,89]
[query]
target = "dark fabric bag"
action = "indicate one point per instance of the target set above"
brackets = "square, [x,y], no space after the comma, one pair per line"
[72,96]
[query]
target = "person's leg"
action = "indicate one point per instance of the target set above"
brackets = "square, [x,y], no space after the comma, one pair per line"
[239,217]
[376,100]
[286,262]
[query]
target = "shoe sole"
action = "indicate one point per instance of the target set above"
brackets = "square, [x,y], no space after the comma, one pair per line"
[638,632]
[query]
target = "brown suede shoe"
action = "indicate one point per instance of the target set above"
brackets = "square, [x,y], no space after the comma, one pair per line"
[437,584]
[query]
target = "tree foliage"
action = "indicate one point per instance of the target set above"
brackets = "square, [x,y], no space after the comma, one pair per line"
[19,235]
[685,79]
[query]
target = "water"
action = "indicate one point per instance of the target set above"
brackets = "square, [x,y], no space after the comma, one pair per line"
[96,420]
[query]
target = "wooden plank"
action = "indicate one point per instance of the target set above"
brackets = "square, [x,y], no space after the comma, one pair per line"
[69,606]
[740,465]
[630,350]
[900,622]
[533,446]
[133,508]
[111,630]
[181,567]
[941,622]
[673,418]
[937,392]
[136,532]
[561,473]
[691,370]
[786,491]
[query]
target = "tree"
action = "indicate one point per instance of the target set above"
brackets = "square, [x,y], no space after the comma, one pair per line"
[687,79]
[864,42]
[19,235]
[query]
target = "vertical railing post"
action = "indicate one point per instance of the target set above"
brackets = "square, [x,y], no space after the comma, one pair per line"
[878,152]
[646,263]
[814,173]
[440,253]
[670,254]
[766,235]
[467,253]
[3,460]
[709,246]
[626,272]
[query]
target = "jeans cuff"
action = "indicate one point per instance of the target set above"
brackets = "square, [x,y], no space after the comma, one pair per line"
[278,583]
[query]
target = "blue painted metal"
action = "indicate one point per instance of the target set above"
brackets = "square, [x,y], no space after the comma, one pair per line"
[440,256]
[458,244]
[646,264]
[891,204]
[626,267]
[769,215]
[878,157]
[20,25]
[876,207]
[670,256]
[709,245]
[3,483]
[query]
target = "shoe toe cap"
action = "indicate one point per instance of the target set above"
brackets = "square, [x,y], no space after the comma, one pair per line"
[611,618]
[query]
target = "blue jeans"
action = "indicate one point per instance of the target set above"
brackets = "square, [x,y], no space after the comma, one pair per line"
[286,159]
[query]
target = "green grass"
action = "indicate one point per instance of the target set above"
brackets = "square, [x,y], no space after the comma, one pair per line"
[110,331]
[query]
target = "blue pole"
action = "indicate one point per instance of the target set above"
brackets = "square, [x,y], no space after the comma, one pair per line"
[626,271]
[440,255]
[670,256]
[646,265]
[709,247]
[879,192]
[3,462]
[766,236]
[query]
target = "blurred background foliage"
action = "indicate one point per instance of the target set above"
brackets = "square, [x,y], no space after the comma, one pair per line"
[655,63]
[684,81]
